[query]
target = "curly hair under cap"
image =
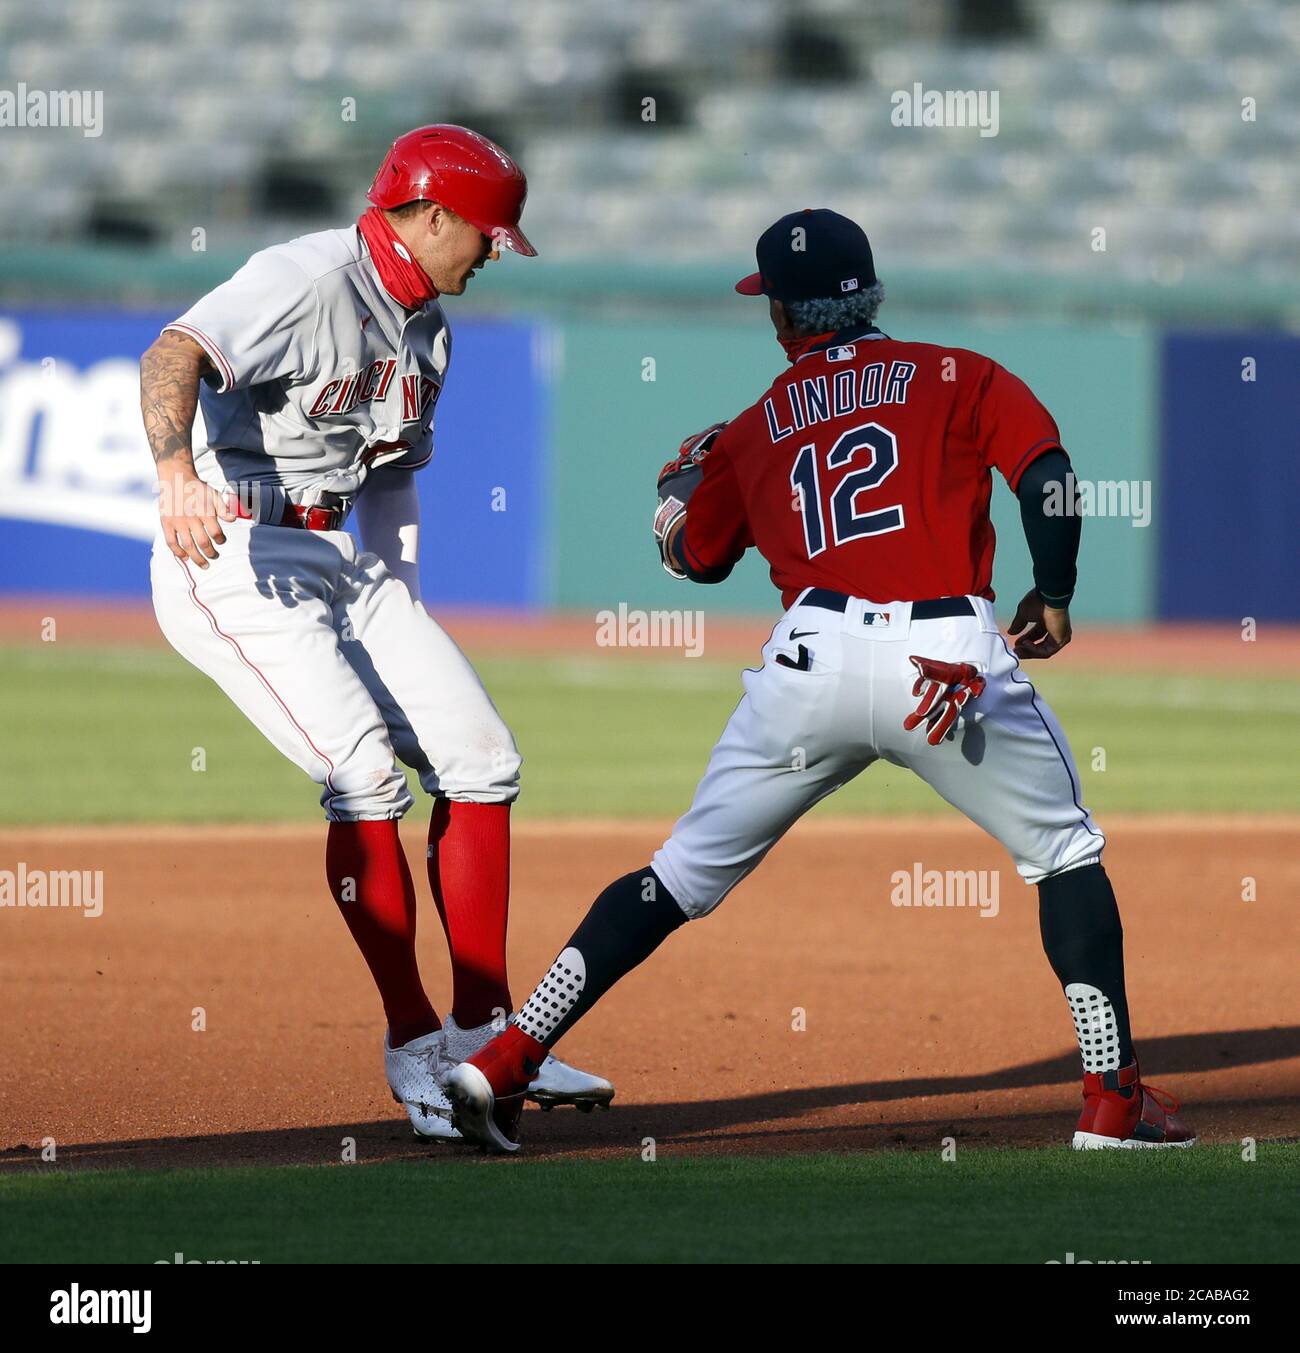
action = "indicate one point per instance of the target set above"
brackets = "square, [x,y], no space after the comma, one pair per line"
[835,312]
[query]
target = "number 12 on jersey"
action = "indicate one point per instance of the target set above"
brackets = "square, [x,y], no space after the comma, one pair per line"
[846,521]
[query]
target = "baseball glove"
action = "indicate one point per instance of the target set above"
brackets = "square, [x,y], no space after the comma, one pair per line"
[677,481]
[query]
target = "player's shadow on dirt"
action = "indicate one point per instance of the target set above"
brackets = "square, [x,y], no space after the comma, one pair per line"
[1175,1055]
[566,1132]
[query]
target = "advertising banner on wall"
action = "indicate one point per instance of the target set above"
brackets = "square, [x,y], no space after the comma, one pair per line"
[77,513]
[1230,450]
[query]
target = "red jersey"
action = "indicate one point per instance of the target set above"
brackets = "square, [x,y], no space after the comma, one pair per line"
[866,469]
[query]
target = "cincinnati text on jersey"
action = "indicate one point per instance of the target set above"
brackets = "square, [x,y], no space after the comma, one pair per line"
[343,393]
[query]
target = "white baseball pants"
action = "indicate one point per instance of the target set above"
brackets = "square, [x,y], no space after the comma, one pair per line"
[797,736]
[328,655]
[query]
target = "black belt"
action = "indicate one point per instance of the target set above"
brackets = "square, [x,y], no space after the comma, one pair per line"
[934,609]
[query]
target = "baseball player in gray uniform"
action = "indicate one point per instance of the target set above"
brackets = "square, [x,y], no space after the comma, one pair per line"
[317,368]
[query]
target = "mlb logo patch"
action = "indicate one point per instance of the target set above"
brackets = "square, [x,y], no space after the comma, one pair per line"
[849,284]
[871,617]
[845,353]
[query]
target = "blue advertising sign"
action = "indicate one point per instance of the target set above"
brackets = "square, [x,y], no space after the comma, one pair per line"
[1230,472]
[77,510]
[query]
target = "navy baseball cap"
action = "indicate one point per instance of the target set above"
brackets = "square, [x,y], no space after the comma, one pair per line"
[811,255]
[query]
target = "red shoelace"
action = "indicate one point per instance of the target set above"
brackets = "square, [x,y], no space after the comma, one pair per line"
[1162,1097]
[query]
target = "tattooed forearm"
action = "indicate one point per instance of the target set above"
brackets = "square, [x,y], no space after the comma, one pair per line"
[169,394]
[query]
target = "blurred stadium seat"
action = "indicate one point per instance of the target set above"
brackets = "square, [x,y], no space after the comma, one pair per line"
[1119,115]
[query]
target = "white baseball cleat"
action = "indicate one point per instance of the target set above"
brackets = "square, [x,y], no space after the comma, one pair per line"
[412,1072]
[475,1107]
[556,1082]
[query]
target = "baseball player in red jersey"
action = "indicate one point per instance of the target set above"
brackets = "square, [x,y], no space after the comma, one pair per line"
[863,477]
[317,368]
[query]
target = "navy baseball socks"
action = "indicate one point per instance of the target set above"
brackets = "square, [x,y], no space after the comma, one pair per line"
[1084,941]
[625,925]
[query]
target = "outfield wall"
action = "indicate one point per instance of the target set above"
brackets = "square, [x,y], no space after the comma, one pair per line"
[612,429]
[550,432]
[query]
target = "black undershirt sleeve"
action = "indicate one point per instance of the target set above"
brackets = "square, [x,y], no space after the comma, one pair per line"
[1051,530]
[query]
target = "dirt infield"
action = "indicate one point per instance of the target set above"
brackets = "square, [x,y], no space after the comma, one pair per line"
[920,1022]
[1205,649]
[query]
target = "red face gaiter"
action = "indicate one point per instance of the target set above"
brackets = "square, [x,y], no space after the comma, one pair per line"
[796,347]
[403,278]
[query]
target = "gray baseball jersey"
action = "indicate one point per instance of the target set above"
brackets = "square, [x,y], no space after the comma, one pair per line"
[320,374]
[320,378]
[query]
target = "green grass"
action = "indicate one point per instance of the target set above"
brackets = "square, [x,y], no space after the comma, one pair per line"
[108,735]
[1005,1205]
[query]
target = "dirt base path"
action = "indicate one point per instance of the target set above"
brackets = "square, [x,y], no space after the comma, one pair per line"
[1211,648]
[920,1022]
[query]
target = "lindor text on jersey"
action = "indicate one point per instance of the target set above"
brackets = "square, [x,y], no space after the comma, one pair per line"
[818,399]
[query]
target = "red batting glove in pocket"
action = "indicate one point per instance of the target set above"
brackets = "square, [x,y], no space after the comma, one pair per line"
[943,688]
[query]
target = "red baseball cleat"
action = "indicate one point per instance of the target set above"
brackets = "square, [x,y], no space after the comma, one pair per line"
[1147,1117]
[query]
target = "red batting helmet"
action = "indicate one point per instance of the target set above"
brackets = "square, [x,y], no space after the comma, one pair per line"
[466,172]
